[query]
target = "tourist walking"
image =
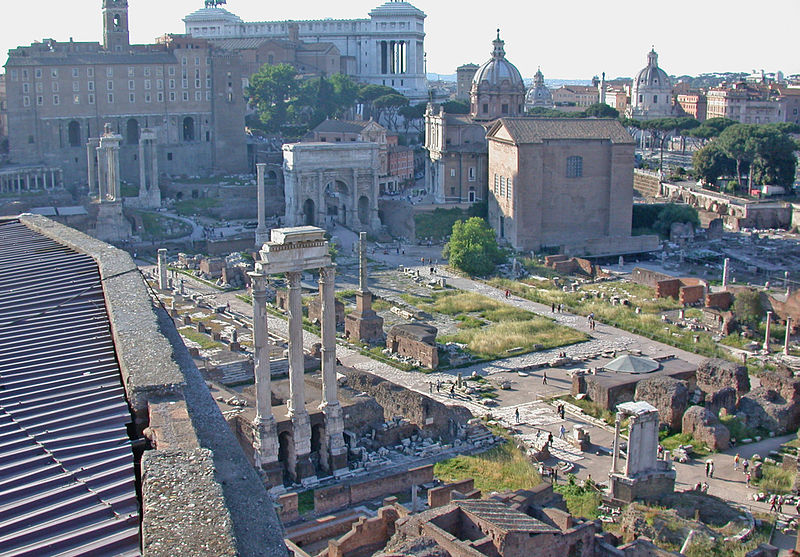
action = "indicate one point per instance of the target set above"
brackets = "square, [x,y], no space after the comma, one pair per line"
[736,462]
[562,432]
[745,465]
[708,468]
[553,307]
[453,391]
[516,414]
[544,378]
[747,480]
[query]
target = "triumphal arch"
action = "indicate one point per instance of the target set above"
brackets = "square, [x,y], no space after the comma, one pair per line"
[332,183]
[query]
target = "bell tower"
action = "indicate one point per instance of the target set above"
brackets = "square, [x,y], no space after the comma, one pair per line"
[116,35]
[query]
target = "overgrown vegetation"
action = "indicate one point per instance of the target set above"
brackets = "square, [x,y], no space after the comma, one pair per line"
[189,207]
[672,442]
[473,247]
[203,340]
[501,468]
[658,218]
[438,225]
[775,479]
[160,227]
[582,500]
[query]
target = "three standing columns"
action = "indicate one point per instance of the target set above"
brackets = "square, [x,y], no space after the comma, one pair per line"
[266,434]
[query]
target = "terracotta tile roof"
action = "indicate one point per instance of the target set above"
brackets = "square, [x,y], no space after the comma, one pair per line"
[536,130]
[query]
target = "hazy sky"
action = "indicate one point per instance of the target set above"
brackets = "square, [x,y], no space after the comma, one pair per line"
[569,39]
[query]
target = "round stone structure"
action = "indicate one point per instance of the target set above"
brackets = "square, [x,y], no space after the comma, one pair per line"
[497,87]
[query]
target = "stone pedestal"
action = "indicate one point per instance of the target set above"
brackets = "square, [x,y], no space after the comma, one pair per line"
[364,324]
[111,225]
[162,269]
[265,445]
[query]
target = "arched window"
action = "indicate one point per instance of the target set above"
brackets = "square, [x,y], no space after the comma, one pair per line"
[132,132]
[74,134]
[574,167]
[188,129]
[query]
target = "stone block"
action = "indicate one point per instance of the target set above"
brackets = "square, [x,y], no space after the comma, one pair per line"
[704,426]
[669,395]
[715,373]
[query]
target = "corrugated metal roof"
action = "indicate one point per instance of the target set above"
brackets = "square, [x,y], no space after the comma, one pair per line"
[67,482]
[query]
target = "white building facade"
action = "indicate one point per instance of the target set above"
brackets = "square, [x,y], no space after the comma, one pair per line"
[386,49]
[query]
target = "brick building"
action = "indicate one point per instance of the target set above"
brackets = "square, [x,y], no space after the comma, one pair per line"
[62,93]
[693,104]
[746,104]
[547,174]
[575,97]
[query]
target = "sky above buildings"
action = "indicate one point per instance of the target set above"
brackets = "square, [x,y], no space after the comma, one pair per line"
[569,40]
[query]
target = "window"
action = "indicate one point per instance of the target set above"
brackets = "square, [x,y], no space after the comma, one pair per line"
[56,100]
[76,86]
[38,72]
[504,108]
[183,60]
[184,83]
[131,85]
[26,101]
[26,88]
[54,73]
[172,70]
[75,72]
[111,98]
[147,84]
[196,60]
[197,83]
[172,96]
[55,87]
[172,84]
[90,72]
[169,156]
[502,186]
[508,188]
[485,108]
[198,96]
[40,100]
[160,97]
[208,84]
[640,98]
[90,85]
[109,85]
[109,72]
[147,71]
[76,99]
[39,87]
[132,97]
[574,167]
[452,172]
[496,188]
[159,71]
[90,98]
[186,95]
[15,74]
[208,95]
[147,97]
[159,84]
[471,173]
[131,72]
[655,99]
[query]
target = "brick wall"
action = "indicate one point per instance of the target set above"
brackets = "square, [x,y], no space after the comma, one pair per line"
[647,277]
[341,496]
[440,496]
[366,536]
[669,288]
[691,294]
[720,300]
[288,507]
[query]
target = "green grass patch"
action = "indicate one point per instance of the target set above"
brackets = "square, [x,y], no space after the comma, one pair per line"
[501,468]
[129,190]
[737,427]
[671,442]
[160,227]
[189,207]
[775,479]
[305,502]
[438,225]
[203,340]
[204,281]
[469,322]
[379,304]
[582,500]
[592,409]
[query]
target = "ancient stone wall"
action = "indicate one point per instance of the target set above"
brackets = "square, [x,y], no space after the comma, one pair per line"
[412,346]
[689,295]
[647,184]
[704,426]
[648,277]
[367,535]
[315,311]
[719,300]
[432,417]
[440,496]
[669,288]
[669,395]
[715,373]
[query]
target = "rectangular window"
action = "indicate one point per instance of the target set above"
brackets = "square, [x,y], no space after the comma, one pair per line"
[147,71]
[198,95]
[26,87]
[76,86]
[159,71]
[39,87]
[56,100]
[55,87]
[159,84]
[172,84]
[184,74]
[184,83]
[196,60]
[208,95]
[26,101]
[208,83]
[502,186]
[90,85]
[90,72]
[574,167]
[172,96]
[109,85]
[131,85]
[132,97]
[111,98]
[15,74]
[38,72]
[54,73]
[197,84]
[208,60]
[160,97]
[76,99]
[508,188]
[131,72]
[40,100]
[109,72]
[24,74]
[75,72]
[90,98]
[172,70]
[186,95]
[452,172]
[183,60]
[147,97]
[147,84]
[496,184]
[471,173]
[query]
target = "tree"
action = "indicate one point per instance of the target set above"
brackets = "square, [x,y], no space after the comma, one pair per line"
[664,128]
[747,307]
[671,213]
[473,247]
[367,94]
[456,107]
[271,89]
[711,162]
[601,110]
[345,92]
[739,143]
[388,108]
[775,161]
[412,115]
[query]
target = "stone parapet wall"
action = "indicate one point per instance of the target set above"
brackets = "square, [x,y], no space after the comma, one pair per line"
[340,496]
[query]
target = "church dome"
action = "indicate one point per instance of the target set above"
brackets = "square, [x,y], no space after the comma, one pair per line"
[498,71]
[539,94]
[652,76]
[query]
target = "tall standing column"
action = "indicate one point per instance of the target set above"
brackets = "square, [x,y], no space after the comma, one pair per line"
[725,272]
[265,440]
[142,170]
[301,424]
[615,456]
[334,419]
[261,230]
[117,193]
[767,332]
[162,269]
[102,175]
[153,147]
[788,334]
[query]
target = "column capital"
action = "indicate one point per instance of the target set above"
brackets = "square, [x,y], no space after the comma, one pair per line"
[294,278]
[327,273]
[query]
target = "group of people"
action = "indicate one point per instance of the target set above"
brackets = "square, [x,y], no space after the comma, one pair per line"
[745,468]
[591,321]
[556,308]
